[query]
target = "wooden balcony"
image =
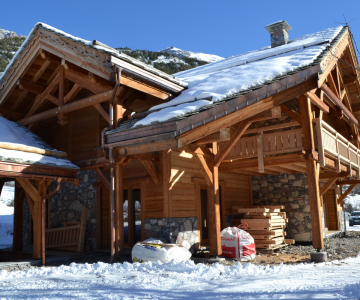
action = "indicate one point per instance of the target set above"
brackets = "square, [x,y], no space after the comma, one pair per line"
[336,153]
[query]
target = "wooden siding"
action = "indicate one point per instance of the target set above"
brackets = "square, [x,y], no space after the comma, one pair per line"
[235,188]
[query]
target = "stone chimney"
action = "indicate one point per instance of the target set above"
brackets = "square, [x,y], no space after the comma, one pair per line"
[279,32]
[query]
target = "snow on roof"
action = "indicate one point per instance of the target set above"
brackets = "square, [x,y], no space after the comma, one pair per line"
[98,46]
[15,133]
[225,79]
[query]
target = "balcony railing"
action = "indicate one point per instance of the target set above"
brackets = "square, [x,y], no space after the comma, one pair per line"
[331,144]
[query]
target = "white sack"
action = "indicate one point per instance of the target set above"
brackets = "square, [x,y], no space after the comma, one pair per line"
[142,252]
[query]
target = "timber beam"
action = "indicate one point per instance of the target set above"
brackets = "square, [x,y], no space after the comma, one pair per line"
[151,170]
[292,114]
[219,136]
[347,192]
[346,182]
[200,160]
[327,186]
[67,108]
[317,102]
[335,175]
[269,161]
[103,177]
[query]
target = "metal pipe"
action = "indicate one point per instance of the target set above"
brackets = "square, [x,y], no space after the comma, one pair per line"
[43,217]
[112,202]
[111,106]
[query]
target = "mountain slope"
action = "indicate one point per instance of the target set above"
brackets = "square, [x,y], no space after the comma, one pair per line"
[171,60]
[9,44]
[209,58]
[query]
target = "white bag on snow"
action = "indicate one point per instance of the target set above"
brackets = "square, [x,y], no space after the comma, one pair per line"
[237,244]
[154,251]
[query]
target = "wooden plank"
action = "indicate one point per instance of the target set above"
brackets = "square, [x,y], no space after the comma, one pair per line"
[241,128]
[272,127]
[313,177]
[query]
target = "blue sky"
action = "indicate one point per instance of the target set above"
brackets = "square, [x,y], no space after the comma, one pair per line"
[222,27]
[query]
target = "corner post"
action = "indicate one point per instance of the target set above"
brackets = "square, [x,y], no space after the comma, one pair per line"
[18,218]
[312,173]
[214,209]
[119,211]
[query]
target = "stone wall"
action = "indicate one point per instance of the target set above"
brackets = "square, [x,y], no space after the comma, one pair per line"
[66,205]
[291,191]
[183,231]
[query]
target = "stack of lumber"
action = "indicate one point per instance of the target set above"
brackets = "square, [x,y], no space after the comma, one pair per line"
[266,224]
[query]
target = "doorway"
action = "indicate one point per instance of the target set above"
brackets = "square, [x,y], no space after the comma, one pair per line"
[330,210]
[204,214]
[132,216]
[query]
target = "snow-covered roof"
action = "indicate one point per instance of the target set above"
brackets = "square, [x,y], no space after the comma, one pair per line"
[91,44]
[15,133]
[219,81]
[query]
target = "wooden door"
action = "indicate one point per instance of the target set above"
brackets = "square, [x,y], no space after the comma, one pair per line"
[331,210]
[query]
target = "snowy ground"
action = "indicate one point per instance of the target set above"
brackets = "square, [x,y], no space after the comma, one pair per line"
[336,280]
[6,217]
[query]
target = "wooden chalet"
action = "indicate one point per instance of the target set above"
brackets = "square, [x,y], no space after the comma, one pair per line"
[180,177]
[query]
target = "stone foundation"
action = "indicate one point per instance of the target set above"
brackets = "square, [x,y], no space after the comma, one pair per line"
[183,231]
[291,191]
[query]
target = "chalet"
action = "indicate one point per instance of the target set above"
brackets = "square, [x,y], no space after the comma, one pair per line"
[169,157]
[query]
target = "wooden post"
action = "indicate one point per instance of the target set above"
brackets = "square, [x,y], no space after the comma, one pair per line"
[166,174]
[18,218]
[37,245]
[312,173]
[119,210]
[214,209]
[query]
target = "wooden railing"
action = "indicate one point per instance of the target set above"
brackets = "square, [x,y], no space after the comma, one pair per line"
[330,143]
[70,237]
[267,144]
[333,144]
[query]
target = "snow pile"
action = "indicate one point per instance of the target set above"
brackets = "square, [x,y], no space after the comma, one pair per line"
[230,76]
[7,195]
[6,225]
[174,280]
[15,133]
[200,56]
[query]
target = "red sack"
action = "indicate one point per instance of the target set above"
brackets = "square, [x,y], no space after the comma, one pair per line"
[237,244]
